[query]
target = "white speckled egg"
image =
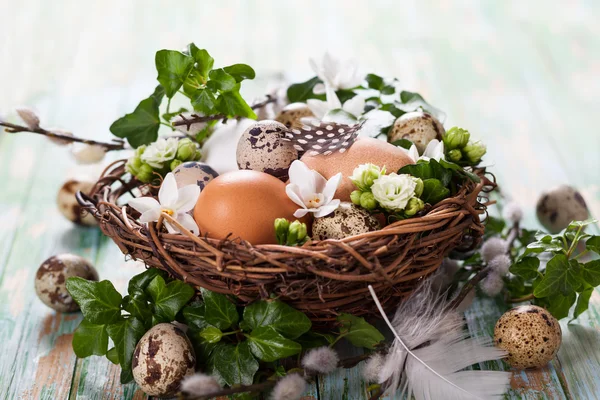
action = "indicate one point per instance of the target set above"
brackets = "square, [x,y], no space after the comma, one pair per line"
[194,173]
[530,335]
[261,149]
[68,205]
[418,127]
[51,280]
[559,206]
[291,115]
[347,220]
[162,358]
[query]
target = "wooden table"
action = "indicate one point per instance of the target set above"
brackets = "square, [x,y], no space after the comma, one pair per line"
[522,76]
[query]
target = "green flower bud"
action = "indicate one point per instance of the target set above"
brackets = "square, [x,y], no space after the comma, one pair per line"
[456,138]
[186,150]
[473,151]
[414,206]
[198,155]
[293,233]
[145,173]
[302,232]
[367,201]
[282,226]
[419,188]
[355,197]
[175,163]
[364,175]
[454,155]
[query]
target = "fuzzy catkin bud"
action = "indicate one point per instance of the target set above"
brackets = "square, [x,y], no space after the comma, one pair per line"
[513,212]
[500,264]
[88,154]
[199,385]
[492,284]
[29,117]
[57,141]
[373,368]
[493,248]
[290,387]
[323,360]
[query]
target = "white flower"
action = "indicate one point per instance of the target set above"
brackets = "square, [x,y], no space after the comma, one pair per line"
[393,191]
[364,175]
[355,106]
[311,191]
[290,387]
[160,152]
[88,154]
[513,212]
[172,201]
[199,385]
[492,248]
[434,150]
[322,360]
[335,73]
[29,117]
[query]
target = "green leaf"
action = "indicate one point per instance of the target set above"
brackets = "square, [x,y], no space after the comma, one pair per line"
[583,302]
[590,272]
[112,355]
[100,302]
[561,278]
[90,339]
[286,320]
[375,81]
[388,89]
[173,68]
[233,365]
[312,340]
[203,100]
[158,94]
[345,94]
[359,332]
[211,334]
[233,105]
[240,72]
[428,170]
[390,107]
[460,171]
[141,126]
[545,243]
[434,191]
[526,268]
[593,244]
[300,92]
[202,348]
[137,304]
[221,80]
[404,143]
[494,226]
[141,281]
[126,376]
[125,335]
[559,305]
[204,62]
[194,316]
[575,225]
[268,345]
[169,116]
[168,298]
[219,311]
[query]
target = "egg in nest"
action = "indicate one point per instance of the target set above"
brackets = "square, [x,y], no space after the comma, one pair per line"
[291,115]
[194,173]
[347,220]
[262,149]
[418,127]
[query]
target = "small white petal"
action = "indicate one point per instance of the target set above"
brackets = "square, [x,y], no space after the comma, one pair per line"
[143,204]
[355,106]
[187,221]
[171,228]
[333,102]
[293,192]
[319,88]
[187,197]
[168,193]
[327,209]
[318,107]
[301,212]
[331,187]
[150,215]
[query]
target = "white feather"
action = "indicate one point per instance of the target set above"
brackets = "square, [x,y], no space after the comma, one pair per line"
[431,351]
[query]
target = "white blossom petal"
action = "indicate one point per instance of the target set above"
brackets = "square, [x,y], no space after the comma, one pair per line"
[187,221]
[333,102]
[355,106]
[331,187]
[301,212]
[150,215]
[143,204]
[171,228]
[168,193]
[187,197]
[327,209]
[319,88]
[318,107]
[293,192]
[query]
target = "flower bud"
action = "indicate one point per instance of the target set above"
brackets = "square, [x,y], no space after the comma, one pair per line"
[419,188]
[29,117]
[282,226]
[367,201]
[355,197]
[186,150]
[175,163]
[145,173]
[456,138]
[198,155]
[414,206]
[473,151]
[293,233]
[364,175]
[454,155]
[302,232]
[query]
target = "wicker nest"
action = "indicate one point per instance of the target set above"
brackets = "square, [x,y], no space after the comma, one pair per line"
[321,278]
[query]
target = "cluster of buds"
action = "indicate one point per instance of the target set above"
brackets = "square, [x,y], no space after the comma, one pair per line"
[461,149]
[161,157]
[290,233]
[363,178]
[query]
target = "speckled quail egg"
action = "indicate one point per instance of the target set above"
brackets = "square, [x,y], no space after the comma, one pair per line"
[162,358]
[418,127]
[530,335]
[68,205]
[347,220]
[194,173]
[291,115]
[260,148]
[559,206]
[51,280]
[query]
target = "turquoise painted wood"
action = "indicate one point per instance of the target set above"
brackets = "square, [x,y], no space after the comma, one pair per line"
[522,76]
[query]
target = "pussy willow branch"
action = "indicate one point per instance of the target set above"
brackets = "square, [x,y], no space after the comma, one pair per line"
[195,118]
[116,144]
[260,387]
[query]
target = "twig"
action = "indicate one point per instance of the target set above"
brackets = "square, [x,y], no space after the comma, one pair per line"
[195,118]
[522,299]
[117,144]
[470,285]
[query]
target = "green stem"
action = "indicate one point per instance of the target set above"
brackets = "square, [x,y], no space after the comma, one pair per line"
[168,105]
[337,340]
[232,333]
[169,125]
[583,253]
[575,241]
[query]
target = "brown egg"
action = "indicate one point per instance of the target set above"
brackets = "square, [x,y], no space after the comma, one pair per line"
[530,335]
[418,127]
[291,115]
[364,150]
[68,205]
[244,204]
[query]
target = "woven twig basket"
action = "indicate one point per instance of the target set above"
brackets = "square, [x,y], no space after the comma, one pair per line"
[321,278]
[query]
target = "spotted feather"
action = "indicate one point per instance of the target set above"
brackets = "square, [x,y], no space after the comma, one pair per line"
[317,137]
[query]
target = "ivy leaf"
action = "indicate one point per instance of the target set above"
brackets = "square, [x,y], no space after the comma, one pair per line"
[169,116]
[494,226]
[575,225]
[593,244]
[559,305]
[300,92]
[173,68]
[211,334]
[434,191]
[390,107]
[141,126]
[583,301]
[268,345]
[194,316]
[204,62]
[590,272]
[168,298]
[100,302]
[221,80]
[240,72]
[526,268]
[112,355]
[411,101]
[141,281]
[428,170]
[388,89]
[90,339]
[126,334]
[202,348]
[561,278]
[233,365]
[312,340]
[219,311]
[203,100]
[459,170]
[136,303]
[404,143]
[375,82]
[359,332]
[233,105]
[286,320]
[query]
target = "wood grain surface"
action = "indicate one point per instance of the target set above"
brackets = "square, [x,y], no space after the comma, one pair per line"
[522,76]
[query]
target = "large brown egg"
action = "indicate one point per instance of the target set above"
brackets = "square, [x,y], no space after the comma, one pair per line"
[364,150]
[243,204]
